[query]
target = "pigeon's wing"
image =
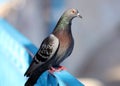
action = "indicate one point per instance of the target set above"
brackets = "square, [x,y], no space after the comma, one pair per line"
[47,50]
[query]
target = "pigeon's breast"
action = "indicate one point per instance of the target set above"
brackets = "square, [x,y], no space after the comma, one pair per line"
[66,45]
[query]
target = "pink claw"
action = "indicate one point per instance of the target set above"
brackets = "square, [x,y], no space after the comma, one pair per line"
[52,70]
[60,68]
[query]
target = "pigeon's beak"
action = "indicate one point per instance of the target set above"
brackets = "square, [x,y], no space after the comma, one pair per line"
[78,15]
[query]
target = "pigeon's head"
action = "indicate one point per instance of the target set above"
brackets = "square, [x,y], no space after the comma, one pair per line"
[72,13]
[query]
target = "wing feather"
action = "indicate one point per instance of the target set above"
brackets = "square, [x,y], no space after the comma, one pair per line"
[47,50]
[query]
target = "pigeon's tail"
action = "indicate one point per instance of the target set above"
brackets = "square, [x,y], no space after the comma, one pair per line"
[31,81]
[33,78]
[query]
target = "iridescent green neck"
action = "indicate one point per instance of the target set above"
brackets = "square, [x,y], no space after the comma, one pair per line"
[63,22]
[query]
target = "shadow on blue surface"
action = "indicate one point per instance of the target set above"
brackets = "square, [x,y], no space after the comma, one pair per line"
[15,58]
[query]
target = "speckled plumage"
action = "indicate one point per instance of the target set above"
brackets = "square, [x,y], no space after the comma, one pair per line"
[54,49]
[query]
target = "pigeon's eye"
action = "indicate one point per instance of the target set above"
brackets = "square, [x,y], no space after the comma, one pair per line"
[73,11]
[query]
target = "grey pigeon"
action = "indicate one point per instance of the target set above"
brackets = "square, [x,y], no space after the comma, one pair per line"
[54,49]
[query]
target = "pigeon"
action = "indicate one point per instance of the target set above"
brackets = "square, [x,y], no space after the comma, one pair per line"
[54,49]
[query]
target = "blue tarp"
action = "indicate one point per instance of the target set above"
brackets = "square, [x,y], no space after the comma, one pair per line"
[15,59]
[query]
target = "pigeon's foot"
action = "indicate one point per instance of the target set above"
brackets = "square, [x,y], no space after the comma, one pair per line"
[52,70]
[60,68]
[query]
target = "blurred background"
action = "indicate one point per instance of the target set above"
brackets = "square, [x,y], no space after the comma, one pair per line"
[96,56]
